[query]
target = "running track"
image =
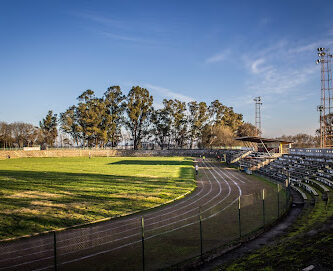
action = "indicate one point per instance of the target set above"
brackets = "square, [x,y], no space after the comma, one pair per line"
[217,186]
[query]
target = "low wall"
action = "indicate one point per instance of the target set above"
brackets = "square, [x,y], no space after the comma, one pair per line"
[105,153]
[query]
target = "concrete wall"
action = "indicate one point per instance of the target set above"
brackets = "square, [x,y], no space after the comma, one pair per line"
[105,153]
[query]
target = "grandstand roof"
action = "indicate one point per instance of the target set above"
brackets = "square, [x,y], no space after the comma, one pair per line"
[257,139]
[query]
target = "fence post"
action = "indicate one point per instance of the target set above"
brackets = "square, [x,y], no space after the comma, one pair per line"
[143,242]
[200,223]
[287,195]
[239,218]
[263,208]
[55,250]
[278,200]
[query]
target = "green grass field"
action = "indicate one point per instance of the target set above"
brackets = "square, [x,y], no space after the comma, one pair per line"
[40,194]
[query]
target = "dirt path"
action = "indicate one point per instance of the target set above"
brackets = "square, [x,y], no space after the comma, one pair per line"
[118,242]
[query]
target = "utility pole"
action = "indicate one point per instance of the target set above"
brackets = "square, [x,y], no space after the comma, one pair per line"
[258,105]
[326,101]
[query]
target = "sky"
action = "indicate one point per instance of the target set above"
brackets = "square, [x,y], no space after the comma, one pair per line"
[233,51]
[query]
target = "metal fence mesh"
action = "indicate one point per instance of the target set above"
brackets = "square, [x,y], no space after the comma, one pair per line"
[171,246]
[28,254]
[220,226]
[251,213]
[114,246]
[166,241]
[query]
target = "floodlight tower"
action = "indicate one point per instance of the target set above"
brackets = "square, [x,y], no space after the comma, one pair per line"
[326,102]
[258,105]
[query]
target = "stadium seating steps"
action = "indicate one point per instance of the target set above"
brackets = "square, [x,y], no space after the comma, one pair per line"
[306,174]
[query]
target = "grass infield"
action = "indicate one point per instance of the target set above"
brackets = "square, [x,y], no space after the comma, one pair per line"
[40,194]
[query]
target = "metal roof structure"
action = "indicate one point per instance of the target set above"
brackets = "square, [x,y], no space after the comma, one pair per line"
[257,139]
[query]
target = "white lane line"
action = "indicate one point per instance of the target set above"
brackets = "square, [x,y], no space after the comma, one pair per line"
[135,242]
[92,255]
[112,229]
[172,223]
[239,189]
[96,232]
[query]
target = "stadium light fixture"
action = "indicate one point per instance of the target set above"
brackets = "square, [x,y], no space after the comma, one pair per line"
[325,108]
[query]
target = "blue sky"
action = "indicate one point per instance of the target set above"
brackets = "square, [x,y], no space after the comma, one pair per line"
[51,51]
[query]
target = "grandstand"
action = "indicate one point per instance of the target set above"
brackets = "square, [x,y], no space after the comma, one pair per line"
[309,172]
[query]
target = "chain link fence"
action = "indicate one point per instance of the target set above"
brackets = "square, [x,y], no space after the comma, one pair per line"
[151,244]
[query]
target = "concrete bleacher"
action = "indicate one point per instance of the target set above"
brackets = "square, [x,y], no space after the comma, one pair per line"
[232,156]
[255,160]
[308,171]
[318,184]
[304,196]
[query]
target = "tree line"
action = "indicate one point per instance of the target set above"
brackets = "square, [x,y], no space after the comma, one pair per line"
[303,140]
[102,121]
[20,134]
[95,121]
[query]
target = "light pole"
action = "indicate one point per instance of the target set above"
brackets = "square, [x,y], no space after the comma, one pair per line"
[326,102]
[258,114]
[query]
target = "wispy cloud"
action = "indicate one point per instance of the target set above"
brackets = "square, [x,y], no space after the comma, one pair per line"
[121,30]
[106,21]
[240,101]
[167,93]
[126,38]
[280,81]
[265,21]
[273,72]
[257,67]
[218,57]
[311,46]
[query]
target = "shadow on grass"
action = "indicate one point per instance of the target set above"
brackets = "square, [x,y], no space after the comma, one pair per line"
[26,180]
[186,162]
[24,193]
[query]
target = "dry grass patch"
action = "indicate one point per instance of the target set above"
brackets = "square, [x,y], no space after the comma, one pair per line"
[33,195]
[50,193]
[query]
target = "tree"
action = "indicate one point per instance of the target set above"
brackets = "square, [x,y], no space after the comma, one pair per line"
[49,128]
[246,129]
[161,126]
[224,136]
[6,138]
[215,117]
[19,134]
[217,136]
[114,102]
[138,108]
[303,140]
[178,112]
[232,119]
[198,116]
[216,111]
[23,133]
[90,113]
[69,123]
